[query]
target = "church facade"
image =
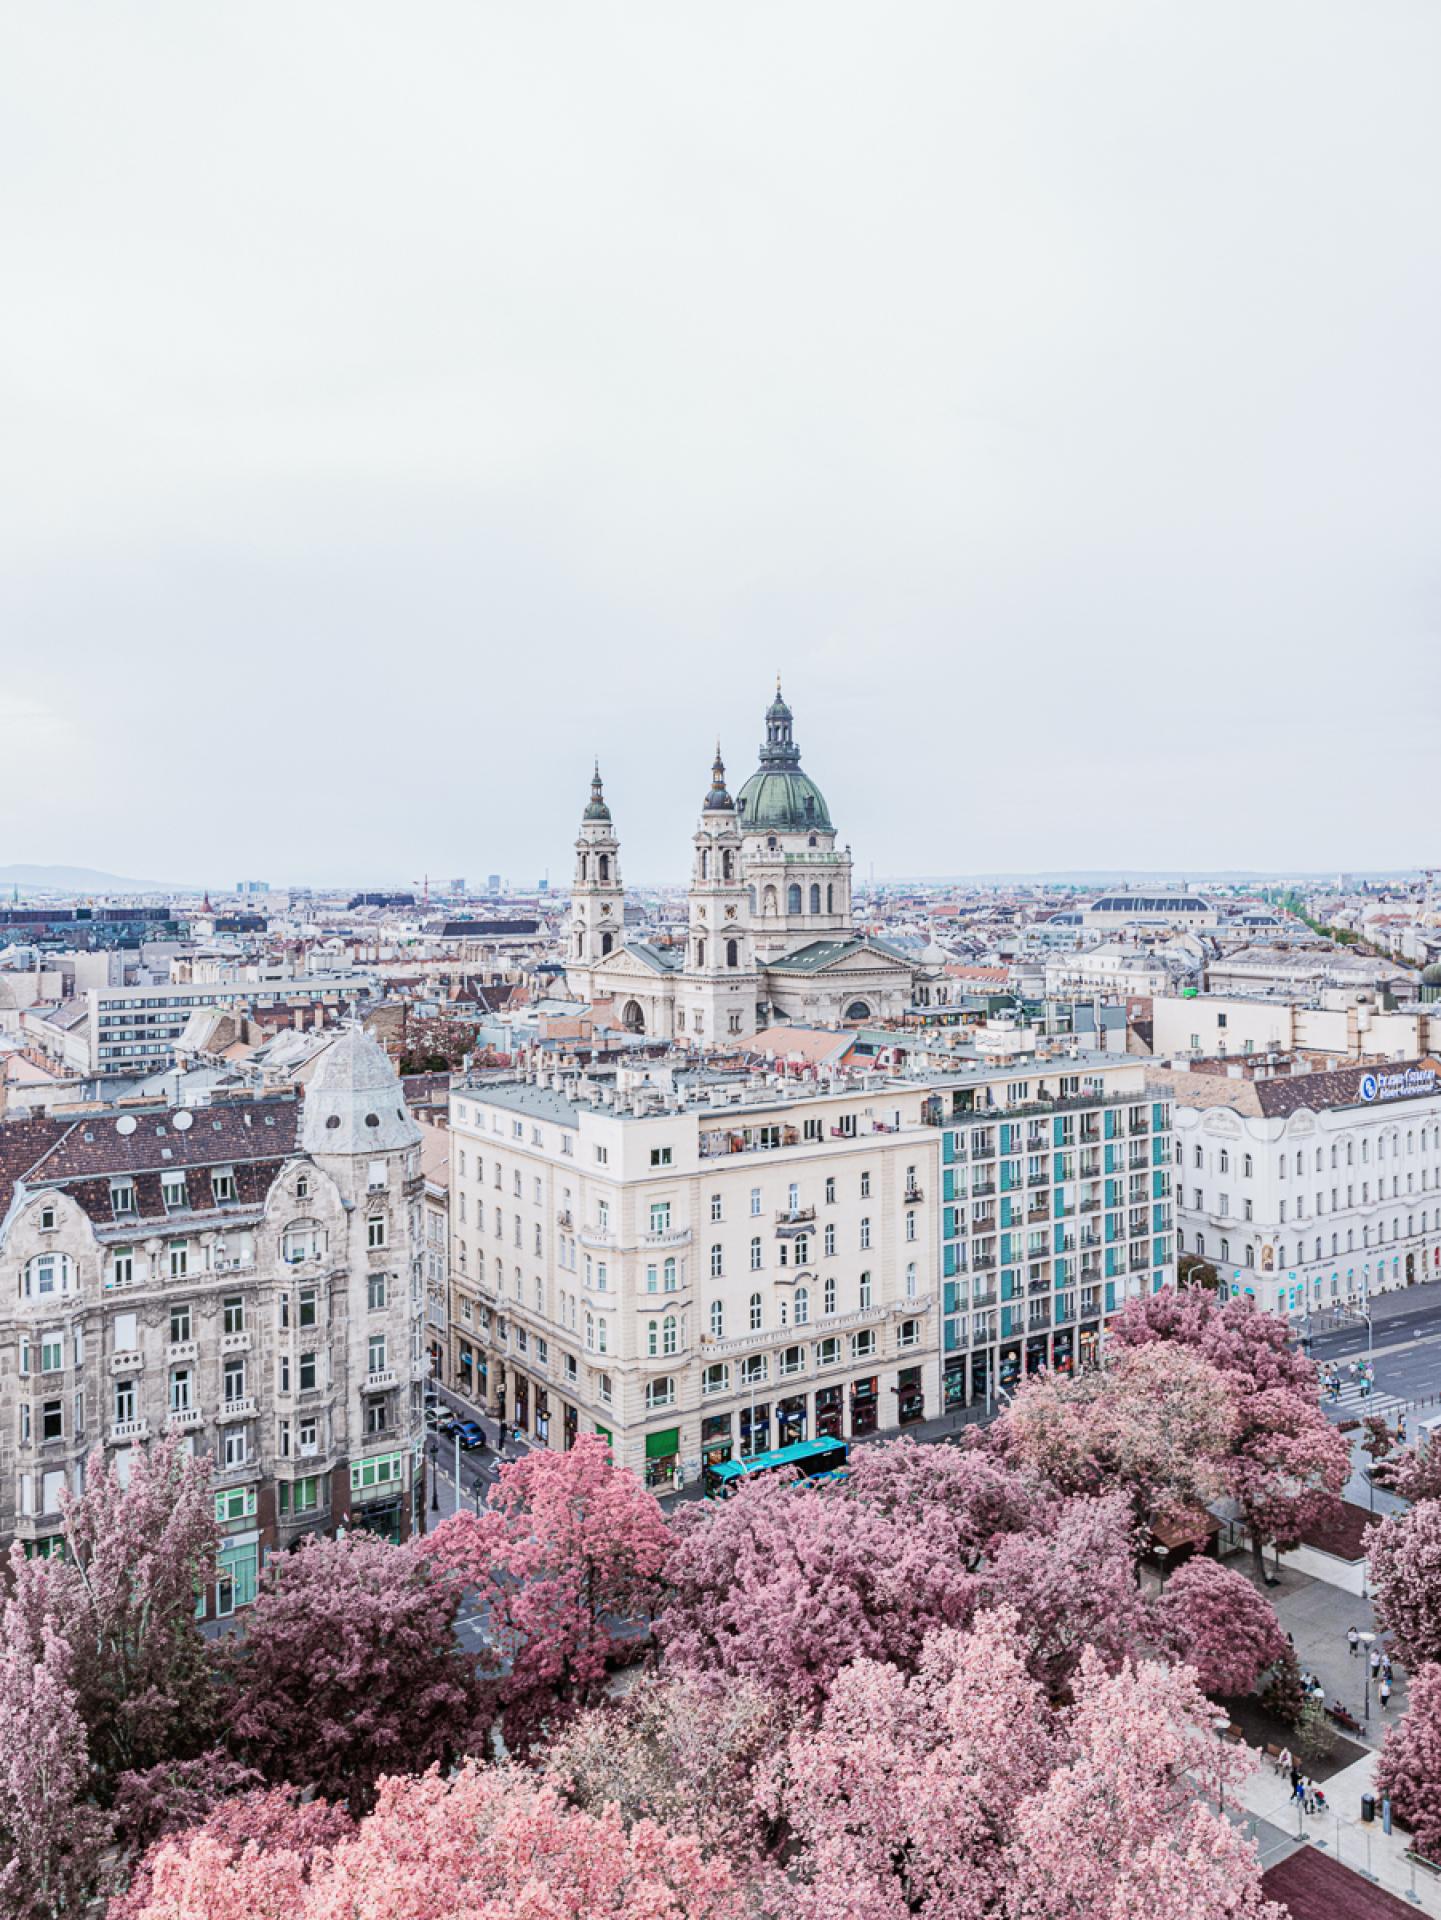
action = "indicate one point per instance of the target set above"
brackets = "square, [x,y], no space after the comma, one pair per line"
[770,937]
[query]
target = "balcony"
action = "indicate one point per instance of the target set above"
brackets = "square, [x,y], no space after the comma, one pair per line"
[1041,1210]
[184,1419]
[130,1361]
[563,1219]
[913,1194]
[981,1188]
[793,1219]
[123,1431]
[182,1350]
[241,1409]
[235,1343]
[600,1239]
[667,1237]
[382,1378]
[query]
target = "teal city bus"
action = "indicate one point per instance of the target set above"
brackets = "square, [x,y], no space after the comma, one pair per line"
[821,1459]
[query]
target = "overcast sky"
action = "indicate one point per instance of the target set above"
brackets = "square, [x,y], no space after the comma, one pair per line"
[399,405]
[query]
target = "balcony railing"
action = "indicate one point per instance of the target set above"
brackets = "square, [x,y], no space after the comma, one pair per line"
[913,1194]
[180,1350]
[667,1237]
[235,1342]
[241,1408]
[380,1378]
[184,1419]
[130,1361]
[125,1430]
[795,1216]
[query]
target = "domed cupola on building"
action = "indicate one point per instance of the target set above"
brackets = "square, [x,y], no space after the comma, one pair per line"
[779,797]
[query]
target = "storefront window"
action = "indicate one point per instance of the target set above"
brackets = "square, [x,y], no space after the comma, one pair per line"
[755,1430]
[865,1413]
[790,1420]
[953,1383]
[715,1439]
[911,1396]
[830,1413]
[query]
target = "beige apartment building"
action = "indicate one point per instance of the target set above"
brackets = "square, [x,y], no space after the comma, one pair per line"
[696,1265]
[247,1275]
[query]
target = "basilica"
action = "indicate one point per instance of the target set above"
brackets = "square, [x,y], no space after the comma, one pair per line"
[770,938]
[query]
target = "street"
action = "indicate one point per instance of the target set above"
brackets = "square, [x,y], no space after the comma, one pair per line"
[1405,1340]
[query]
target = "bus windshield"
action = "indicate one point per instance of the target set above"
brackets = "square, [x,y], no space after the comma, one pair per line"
[811,1459]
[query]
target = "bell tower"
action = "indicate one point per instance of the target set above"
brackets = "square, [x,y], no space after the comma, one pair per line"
[716,993]
[597,899]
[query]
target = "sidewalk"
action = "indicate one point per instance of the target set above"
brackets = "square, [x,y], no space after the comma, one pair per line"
[1364,1848]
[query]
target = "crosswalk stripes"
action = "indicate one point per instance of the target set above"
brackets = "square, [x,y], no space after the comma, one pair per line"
[1355,1399]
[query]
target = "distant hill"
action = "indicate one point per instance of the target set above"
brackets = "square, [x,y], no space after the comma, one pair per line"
[31,879]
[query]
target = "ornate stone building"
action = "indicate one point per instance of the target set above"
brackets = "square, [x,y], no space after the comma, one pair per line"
[770,936]
[247,1275]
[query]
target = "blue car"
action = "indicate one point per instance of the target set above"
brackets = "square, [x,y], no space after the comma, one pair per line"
[468,1434]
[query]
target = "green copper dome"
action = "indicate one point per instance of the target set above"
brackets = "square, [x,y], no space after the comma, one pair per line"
[779,797]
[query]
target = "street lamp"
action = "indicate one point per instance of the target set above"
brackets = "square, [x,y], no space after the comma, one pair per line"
[1366,1640]
[435,1476]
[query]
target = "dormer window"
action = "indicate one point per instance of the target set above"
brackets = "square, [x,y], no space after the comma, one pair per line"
[222,1184]
[122,1196]
[302,1187]
[47,1219]
[172,1192]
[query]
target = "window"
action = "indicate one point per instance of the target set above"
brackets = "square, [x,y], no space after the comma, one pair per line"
[303,1240]
[233,1314]
[863,1344]
[753,1369]
[660,1156]
[124,1401]
[180,1383]
[659,1393]
[865,1289]
[52,1421]
[309,1307]
[911,1224]
[911,1279]
[755,1201]
[668,1334]
[172,1192]
[52,1353]
[375,1235]
[828,1352]
[1225,1161]
[828,1297]
[717,1261]
[179,1323]
[652,1339]
[717,1320]
[716,1378]
[1247,1166]
[802,1306]
[235,1447]
[756,1255]
[792,1360]
[909,1334]
[122,1266]
[375,1291]
[865,1186]
[757,1313]
[47,1273]
[179,1258]
[222,1184]
[376,1352]
[829,1241]
[122,1196]
[233,1380]
[309,1372]
[865,1232]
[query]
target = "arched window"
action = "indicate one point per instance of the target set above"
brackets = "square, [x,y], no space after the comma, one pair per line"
[865,1289]
[793,898]
[733,953]
[607,941]
[585,866]
[302,1240]
[756,1254]
[47,1274]
[772,842]
[828,1297]
[815,899]
[858,1010]
[667,1334]
[757,1313]
[728,865]
[717,1261]
[803,1306]
[910,1280]
[670,1275]
[717,1320]
[652,1338]
[700,953]
[830,899]
[704,864]
[603,865]
[579,942]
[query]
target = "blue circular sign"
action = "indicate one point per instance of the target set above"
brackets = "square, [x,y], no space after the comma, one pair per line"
[1368,1086]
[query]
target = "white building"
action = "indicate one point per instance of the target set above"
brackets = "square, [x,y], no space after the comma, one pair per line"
[696,1266]
[1308,1190]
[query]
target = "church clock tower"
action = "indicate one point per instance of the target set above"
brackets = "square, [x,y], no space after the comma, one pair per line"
[597,900]
[716,993]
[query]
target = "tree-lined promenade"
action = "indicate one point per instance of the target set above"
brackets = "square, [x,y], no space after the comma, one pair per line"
[936,1687]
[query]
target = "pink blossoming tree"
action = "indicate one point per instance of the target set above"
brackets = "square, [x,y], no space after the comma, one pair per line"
[273,1822]
[1215,1621]
[1405,1555]
[567,1561]
[1410,1766]
[1286,1463]
[490,1844]
[50,1838]
[349,1668]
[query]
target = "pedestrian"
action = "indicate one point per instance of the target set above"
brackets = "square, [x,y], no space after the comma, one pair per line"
[1308,1793]
[678,1477]
[1284,1762]
[1385,1694]
[1298,1789]
[1401,1429]
[1375,1662]
[500,1436]
[1353,1640]
[1386,1673]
